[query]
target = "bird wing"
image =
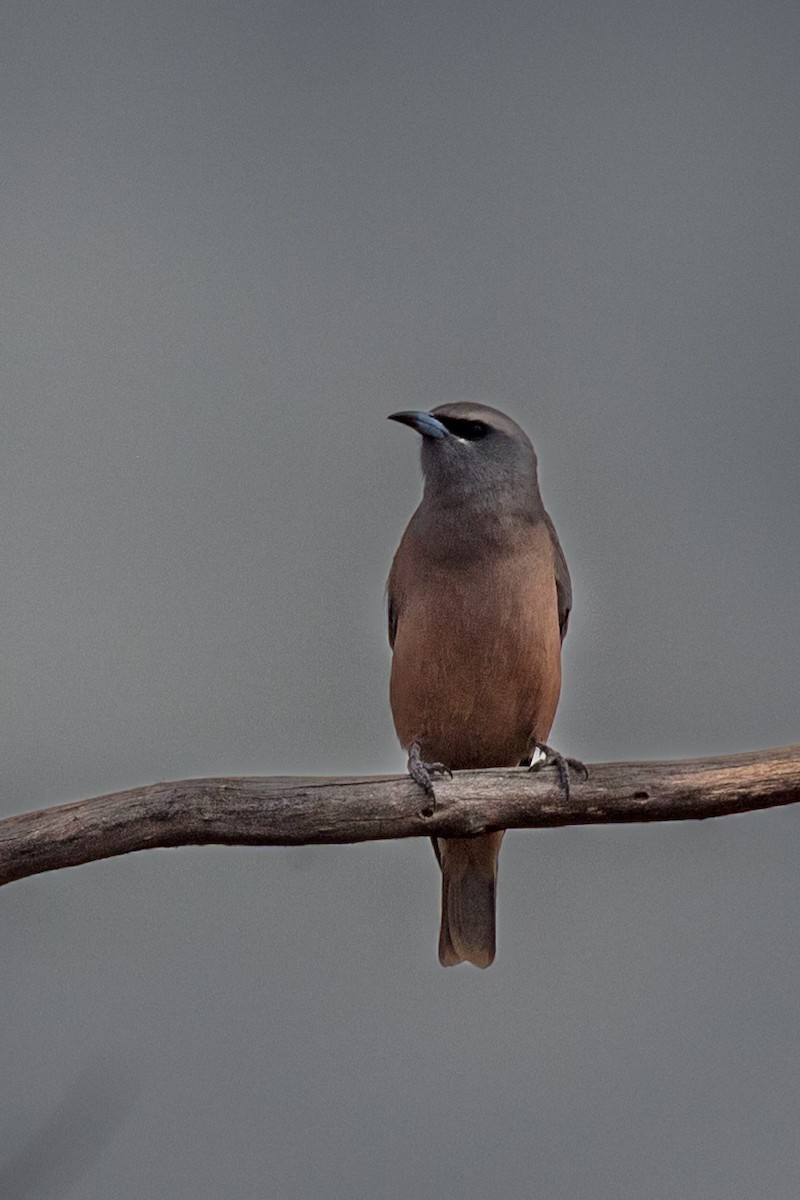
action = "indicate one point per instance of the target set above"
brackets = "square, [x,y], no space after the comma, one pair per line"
[563,581]
[396,586]
[393,612]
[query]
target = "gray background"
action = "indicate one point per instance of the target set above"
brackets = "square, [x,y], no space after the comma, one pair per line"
[235,237]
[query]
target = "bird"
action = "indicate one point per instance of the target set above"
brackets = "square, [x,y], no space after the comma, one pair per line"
[479,600]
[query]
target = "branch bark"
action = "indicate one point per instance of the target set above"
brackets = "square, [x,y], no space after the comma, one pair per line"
[277,811]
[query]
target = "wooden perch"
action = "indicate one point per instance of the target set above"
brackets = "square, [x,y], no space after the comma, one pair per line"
[278,811]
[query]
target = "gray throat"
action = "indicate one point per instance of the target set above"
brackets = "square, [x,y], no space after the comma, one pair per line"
[468,527]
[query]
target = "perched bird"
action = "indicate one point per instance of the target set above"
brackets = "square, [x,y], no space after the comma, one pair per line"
[479,600]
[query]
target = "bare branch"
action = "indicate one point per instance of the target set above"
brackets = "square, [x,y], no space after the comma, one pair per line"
[277,811]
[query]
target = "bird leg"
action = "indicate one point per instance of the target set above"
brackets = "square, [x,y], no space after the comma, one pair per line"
[421,772]
[546,756]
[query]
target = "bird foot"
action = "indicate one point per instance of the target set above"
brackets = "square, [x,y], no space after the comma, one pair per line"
[421,772]
[546,756]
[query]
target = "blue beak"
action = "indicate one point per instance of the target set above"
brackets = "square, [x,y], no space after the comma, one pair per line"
[423,422]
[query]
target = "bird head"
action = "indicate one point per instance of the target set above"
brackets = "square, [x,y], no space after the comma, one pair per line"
[473,454]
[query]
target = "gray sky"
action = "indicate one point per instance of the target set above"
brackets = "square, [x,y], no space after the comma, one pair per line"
[235,237]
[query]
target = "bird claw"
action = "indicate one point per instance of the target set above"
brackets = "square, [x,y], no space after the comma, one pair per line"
[421,772]
[563,765]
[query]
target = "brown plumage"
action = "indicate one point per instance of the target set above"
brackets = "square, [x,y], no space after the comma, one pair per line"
[479,600]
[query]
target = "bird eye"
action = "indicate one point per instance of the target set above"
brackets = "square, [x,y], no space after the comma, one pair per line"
[468,431]
[477,429]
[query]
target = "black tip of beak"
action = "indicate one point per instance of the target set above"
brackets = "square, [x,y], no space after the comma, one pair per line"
[424,423]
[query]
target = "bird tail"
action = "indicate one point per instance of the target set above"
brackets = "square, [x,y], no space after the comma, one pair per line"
[469,880]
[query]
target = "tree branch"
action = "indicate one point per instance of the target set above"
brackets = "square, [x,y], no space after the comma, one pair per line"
[277,811]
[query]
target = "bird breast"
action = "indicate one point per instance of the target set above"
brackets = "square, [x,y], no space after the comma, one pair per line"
[476,672]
